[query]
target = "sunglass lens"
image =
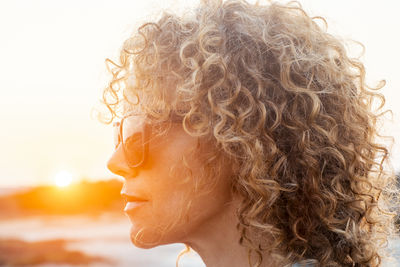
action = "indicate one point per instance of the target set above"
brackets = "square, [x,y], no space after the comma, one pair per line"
[132,132]
[134,149]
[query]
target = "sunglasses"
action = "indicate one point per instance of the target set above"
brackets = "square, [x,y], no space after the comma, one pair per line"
[133,133]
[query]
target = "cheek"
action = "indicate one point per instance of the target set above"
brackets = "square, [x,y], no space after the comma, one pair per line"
[175,206]
[188,206]
[172,198]
[190,193]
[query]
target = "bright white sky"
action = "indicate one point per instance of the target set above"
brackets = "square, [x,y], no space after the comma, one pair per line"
[52,73]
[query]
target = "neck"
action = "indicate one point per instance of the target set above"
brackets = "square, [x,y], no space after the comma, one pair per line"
[217,242]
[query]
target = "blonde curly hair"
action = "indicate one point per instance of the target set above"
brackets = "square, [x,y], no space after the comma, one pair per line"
[280,96]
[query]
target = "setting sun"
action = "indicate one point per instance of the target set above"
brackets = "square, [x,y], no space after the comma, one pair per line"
[63,178]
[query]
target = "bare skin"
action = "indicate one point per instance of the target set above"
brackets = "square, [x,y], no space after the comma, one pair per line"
[208,226]
[219,237]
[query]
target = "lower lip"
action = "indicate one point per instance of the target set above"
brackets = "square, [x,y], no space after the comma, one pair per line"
[130,206]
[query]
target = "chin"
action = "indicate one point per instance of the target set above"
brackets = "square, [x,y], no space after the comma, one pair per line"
[146,238]
[141,244]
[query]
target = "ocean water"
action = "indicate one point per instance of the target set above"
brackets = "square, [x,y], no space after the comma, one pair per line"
[108,236]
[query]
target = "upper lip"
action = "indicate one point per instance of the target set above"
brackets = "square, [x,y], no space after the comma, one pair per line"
[131,198]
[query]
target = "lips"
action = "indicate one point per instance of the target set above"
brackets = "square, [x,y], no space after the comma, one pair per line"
[132,202]
[132,206]
[132,198]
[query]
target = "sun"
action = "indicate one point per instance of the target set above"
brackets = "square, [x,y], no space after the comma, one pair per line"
[63,178]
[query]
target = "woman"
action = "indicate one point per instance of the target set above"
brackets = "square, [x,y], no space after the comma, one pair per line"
[248,134]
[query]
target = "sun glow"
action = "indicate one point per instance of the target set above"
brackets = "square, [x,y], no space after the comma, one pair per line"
[63,178]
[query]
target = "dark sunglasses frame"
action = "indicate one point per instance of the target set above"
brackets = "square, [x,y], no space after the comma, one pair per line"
[145,130]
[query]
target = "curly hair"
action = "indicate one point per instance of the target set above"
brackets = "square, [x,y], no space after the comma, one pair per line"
[280,96]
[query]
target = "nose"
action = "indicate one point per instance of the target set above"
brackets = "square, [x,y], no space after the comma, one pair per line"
[118,165]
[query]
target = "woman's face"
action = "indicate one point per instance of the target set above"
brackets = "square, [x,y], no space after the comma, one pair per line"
[178,199]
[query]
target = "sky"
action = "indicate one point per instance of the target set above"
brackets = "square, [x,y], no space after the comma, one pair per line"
[52,73]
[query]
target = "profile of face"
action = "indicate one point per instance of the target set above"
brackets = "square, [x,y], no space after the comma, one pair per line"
[177,202]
